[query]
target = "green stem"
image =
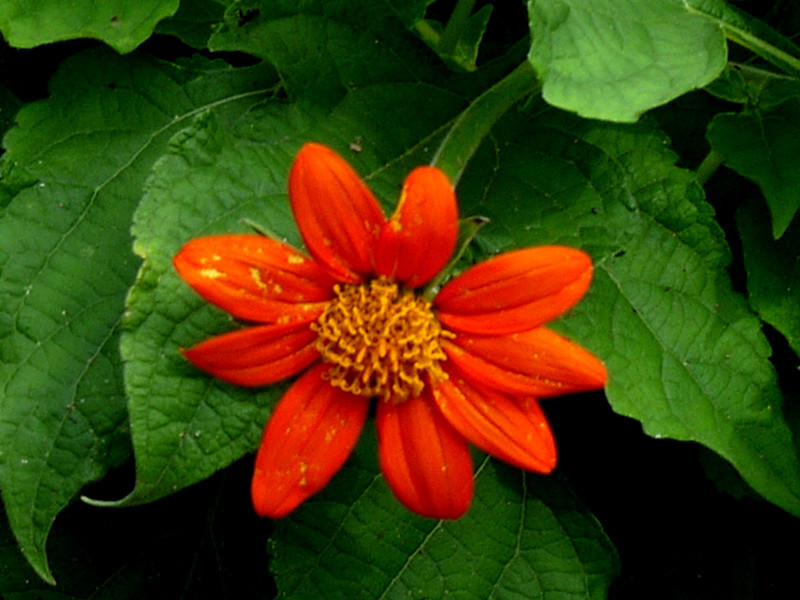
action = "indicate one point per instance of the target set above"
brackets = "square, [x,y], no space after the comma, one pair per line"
[750,32]
[467,230]
[475,123]
[709,166]
[259,228]
[428,34]
[767,51]
[455,26]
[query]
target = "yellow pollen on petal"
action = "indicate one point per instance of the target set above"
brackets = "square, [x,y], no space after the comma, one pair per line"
[295,259]
[211,273]
[380,341]
[255,274]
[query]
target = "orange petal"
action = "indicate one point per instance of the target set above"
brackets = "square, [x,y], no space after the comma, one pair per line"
[424,460]
[255,278]
[419,239]
[537,362]
[514,430]
[256,355]
[515,291]
[308,438]
[338,216]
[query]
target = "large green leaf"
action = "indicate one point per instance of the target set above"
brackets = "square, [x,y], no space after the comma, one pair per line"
[525,536]
[773,271]
[9,104]
[121,24]
[184,425]
[336,46]
[76,170]
[195,21]
[612,60]
[685,355]
[762,143]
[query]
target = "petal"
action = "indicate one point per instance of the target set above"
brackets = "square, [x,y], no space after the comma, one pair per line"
[256,355]
[515,291]
[420,237]
[338,216]
[308,438]
[537,362]
[255,278]
[424,460]
[514,430]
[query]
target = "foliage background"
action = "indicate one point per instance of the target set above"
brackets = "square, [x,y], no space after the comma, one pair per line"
[132,128]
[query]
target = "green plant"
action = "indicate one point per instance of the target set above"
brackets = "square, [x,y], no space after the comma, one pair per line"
[598,124]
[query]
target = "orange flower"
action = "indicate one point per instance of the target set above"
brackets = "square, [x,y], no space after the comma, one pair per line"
[467,367]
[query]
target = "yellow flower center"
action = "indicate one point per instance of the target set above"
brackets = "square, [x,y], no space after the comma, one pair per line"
[380,340]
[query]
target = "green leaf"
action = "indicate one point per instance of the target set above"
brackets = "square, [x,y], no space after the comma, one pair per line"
[613,60]
[77,169]
[753,86]
[121,24]
[526,536]
[195,21]
[9,105]
[335,47]
[773,271]
[762,144]
[185,425]
[685,355]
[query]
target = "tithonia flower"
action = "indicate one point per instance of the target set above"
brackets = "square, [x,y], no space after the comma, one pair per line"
[348,318]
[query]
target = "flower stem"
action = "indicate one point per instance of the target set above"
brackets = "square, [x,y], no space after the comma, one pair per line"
[259,228]
[709,166]
[475,123]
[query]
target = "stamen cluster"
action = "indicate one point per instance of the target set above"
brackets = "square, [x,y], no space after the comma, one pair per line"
[380,340]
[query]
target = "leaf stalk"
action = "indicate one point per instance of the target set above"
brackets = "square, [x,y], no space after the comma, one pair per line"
[475,123]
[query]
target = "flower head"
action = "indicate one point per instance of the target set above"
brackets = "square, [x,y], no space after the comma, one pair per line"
[467,367]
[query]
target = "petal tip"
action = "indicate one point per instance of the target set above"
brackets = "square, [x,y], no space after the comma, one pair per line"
[421,235]
[272,502]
